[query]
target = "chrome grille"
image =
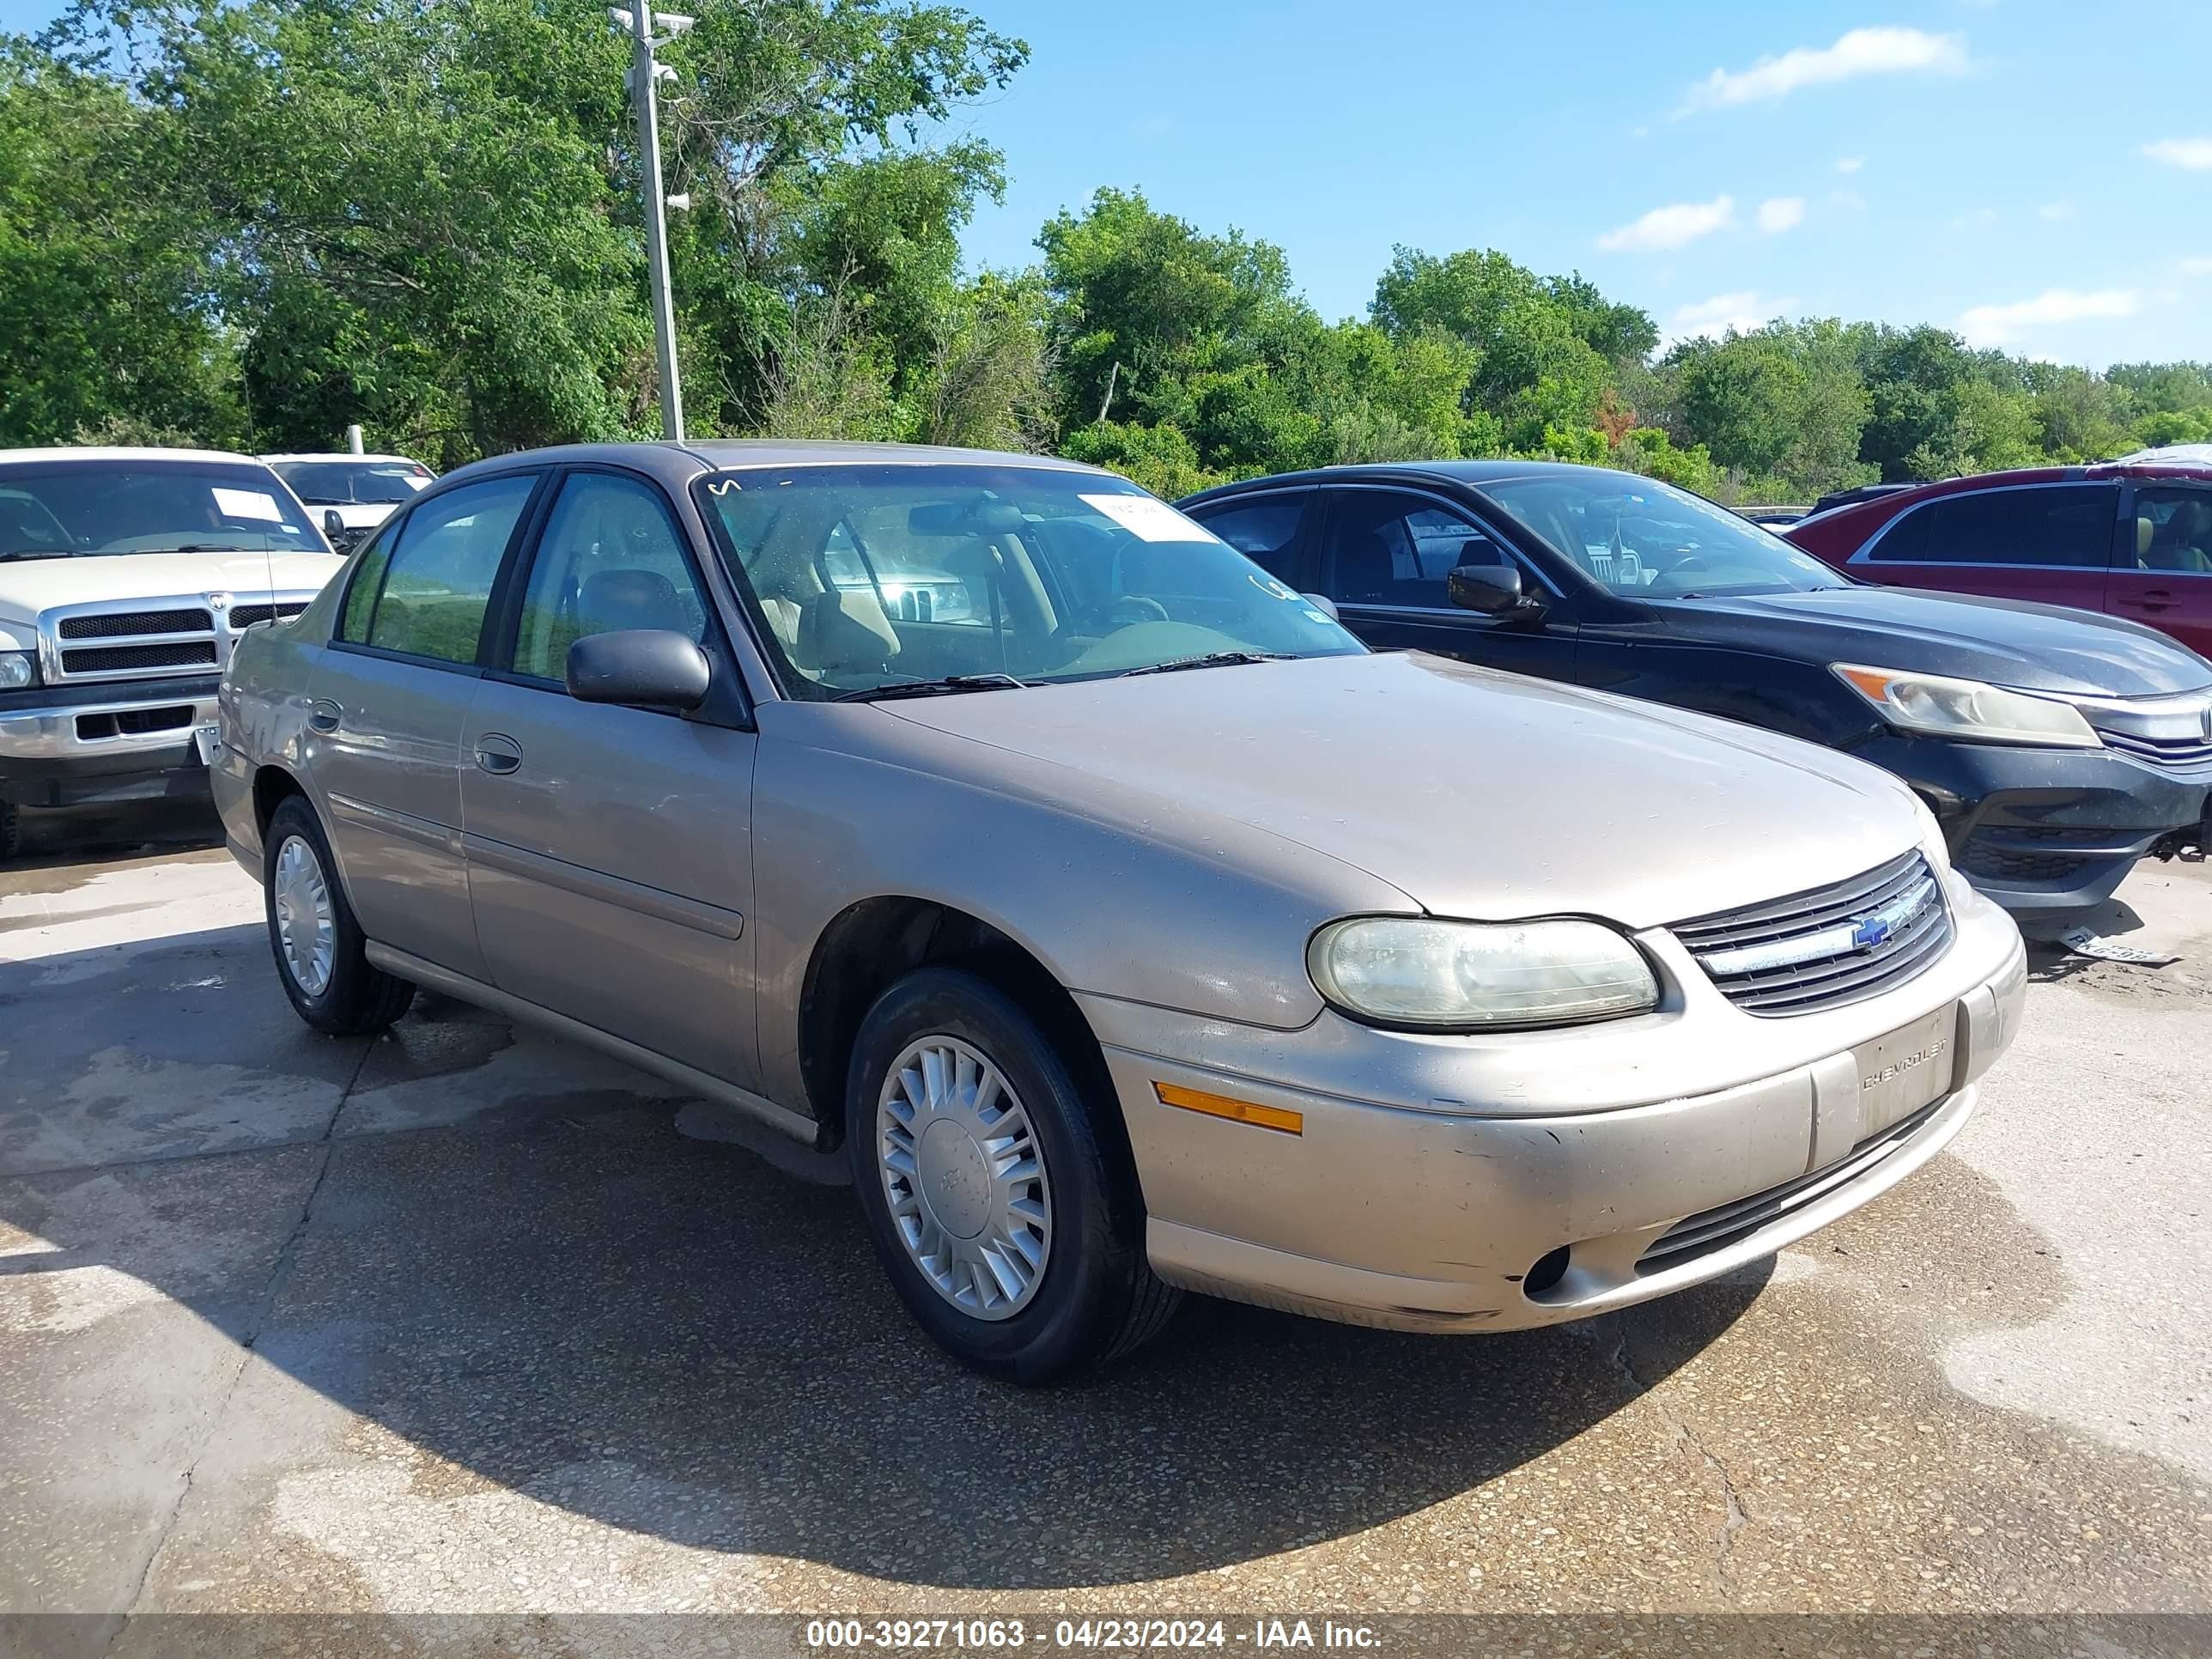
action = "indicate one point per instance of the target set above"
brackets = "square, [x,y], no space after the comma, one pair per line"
[121,624]
[134,659]
[1828,946]
[2189,756]
[243,617]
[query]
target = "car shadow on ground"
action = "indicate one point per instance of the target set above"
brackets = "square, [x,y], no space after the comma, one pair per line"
[555,1292]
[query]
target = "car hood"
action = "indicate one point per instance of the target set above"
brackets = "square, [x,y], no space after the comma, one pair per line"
[30,586]
[1475,794]
[2041,647]
[354,515]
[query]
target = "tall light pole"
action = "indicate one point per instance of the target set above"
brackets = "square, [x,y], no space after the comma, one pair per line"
[640,21]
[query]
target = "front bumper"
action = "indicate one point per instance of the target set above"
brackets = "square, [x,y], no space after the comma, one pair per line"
[130,740]
[1431,1177]
[2046,833]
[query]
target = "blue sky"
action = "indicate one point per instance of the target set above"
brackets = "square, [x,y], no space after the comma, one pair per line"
[1983,165]
[2033,173]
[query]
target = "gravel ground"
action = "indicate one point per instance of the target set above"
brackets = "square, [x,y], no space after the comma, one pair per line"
[464,1321]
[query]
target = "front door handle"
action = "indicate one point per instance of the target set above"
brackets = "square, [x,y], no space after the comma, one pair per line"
[2156,598]
[324,716]
[498,755]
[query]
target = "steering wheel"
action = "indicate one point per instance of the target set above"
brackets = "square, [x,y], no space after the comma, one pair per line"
[1146,610]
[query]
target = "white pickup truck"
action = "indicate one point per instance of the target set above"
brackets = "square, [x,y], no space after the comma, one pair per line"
[125,577]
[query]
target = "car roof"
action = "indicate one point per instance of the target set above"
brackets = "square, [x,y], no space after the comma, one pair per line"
[674,463]
[344,455]
[123,453]
[1478,473]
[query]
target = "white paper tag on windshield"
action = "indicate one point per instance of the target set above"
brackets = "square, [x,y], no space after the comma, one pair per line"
[1149,521]
[2083,942]
[248,504]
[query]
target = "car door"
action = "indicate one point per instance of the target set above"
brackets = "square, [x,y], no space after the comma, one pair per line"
[2161,569]
[2046,542]
[1385,553]
[388,701]
[609,849]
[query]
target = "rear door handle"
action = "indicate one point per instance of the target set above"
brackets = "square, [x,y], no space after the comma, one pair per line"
[2156,598]
[498,755]
[324,716]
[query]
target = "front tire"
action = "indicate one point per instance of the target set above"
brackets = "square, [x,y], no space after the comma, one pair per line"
[11,832]
[1009,1227]
[320,951]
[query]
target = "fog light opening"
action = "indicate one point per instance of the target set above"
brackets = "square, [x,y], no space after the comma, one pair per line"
[1550,1268]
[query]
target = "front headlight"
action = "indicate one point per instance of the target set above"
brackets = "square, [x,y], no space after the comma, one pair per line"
[1967,708]
[18,669]
[1476,976]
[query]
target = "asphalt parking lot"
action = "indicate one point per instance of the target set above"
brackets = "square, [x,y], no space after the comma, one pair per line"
[465,1320]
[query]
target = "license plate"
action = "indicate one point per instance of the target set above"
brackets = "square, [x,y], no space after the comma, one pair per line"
[207,740]
[1903,1072]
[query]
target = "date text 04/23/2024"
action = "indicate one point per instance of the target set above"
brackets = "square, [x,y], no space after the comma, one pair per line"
[1007,1635]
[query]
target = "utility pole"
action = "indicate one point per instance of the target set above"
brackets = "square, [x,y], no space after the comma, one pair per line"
[644,74]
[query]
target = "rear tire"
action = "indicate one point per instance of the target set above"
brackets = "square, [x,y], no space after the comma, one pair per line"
[1010,1228]
[320,951]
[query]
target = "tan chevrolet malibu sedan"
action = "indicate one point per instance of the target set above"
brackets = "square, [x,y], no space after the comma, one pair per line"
[1132,926]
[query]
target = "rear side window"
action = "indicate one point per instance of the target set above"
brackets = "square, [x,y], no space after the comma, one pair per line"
[2172,532]
[2062,526]
[1264,531]
[427,597]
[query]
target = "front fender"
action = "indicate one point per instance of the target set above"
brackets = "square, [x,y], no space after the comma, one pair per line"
[1121,896]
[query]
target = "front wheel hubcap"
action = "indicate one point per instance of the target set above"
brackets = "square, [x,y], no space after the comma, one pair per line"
[306,921]
[964,1177]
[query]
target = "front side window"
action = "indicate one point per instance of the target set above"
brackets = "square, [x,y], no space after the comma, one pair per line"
[85,509]
[1645,539]
[1265,529]
[1389,548]
[432,591]
[2058,526]
[2172,532]
[867,577]
[609,560]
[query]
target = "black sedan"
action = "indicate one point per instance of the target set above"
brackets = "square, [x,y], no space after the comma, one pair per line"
[2055,747]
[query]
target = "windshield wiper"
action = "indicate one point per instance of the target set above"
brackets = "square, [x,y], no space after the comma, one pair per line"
[1211,659]
[944,685]
[38,553]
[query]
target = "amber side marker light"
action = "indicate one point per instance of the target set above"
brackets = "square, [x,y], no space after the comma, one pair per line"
[1237,1111]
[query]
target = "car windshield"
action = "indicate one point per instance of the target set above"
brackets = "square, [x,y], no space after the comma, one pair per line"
[871,577]
[86,508]
[1653,541]
[354,483]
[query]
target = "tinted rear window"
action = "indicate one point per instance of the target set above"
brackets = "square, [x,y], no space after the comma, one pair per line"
[2057,526]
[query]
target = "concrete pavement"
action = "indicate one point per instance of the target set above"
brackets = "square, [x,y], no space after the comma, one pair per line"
[464,1319]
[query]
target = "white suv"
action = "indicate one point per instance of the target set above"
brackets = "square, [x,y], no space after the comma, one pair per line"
[125,577]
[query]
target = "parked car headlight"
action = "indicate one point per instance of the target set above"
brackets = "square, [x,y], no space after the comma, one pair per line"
[1947,708]
[1474,975]
[17,670]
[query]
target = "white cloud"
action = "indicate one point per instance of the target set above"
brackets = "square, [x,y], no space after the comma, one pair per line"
[2200,265]
[1861,51]
[1997,324]
[1781,213]
[2194,154]
[2057,211]
[1671,226]
[1742,312]
[1849,163]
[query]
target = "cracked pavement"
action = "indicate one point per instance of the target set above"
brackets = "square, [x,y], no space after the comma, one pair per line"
[467,1320]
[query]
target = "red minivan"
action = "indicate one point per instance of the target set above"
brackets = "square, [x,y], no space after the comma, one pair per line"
[2133,540]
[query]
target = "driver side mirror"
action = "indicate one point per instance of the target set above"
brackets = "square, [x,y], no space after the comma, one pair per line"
[1491,590]
[334,528]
